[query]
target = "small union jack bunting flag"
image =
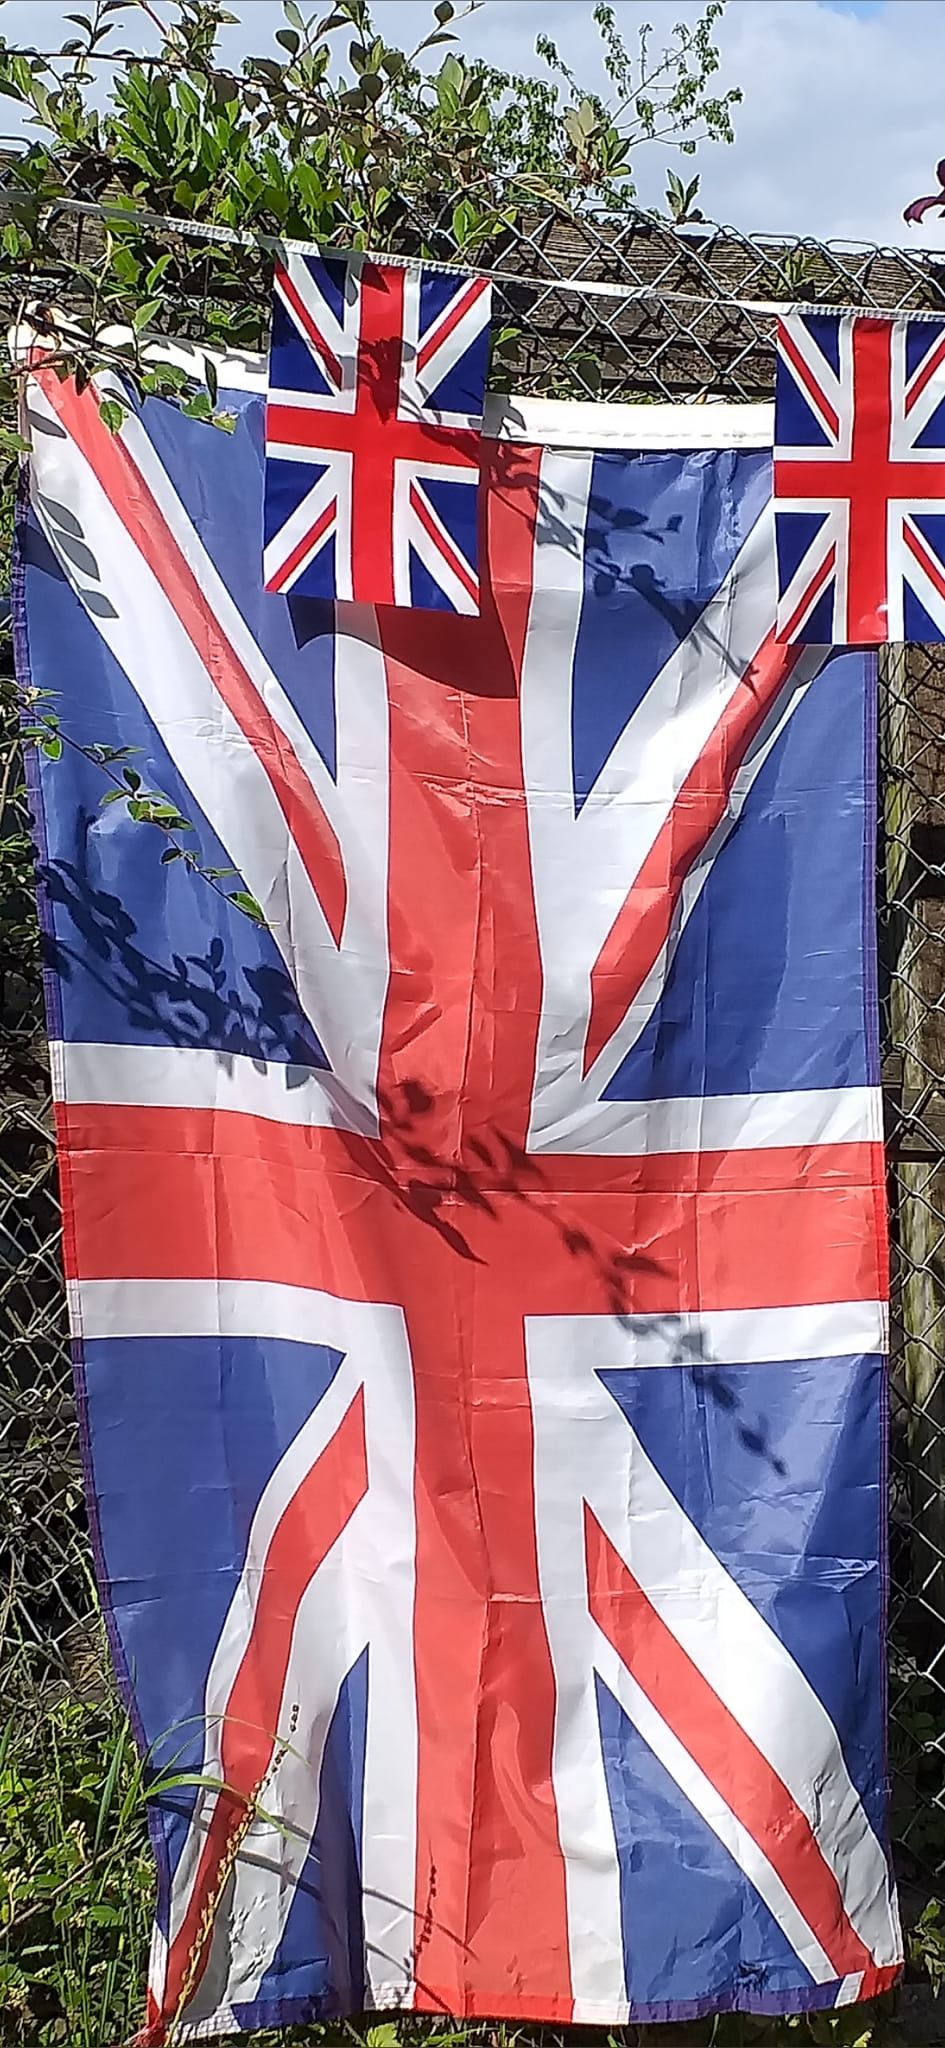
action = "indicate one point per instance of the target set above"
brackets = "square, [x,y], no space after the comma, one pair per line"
[377,377]
[859,479]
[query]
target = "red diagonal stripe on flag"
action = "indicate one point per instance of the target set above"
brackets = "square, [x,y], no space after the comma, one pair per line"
[450,319]
[307,545]
[136,507]
[717,1742]
[319,1510]
[290,293]
[808,599]
[922,554]
[642,928]
[443,542]
[805,375]
[924,374]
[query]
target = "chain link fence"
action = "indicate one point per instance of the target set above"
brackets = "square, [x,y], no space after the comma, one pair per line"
[676,327]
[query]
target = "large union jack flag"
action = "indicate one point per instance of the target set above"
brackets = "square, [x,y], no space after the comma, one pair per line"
[859,479]
[477,1272]
[377,381]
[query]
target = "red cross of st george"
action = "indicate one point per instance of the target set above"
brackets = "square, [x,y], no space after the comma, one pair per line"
[375,437]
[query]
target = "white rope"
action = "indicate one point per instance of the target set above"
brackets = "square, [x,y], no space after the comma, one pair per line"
[591,288]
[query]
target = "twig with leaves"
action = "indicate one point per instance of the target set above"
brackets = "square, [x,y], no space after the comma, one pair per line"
[145,806]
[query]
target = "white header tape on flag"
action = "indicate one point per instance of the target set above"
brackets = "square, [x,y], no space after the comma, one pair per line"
[535,422]
[542,422]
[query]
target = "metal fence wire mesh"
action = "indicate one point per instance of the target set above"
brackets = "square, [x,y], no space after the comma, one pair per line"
[685,338]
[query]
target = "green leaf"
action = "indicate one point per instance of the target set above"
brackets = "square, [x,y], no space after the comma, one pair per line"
[464,221]
[144,313]
[172,1783]
[161,812]
[248,905]
[293,16]
[312,188]
[451,73]
[125,267]
[52,747]
[112,414]
[40,97]
[268,69]
[444,12]
[131,779]
[171,853]
[102,1914]
[157,269]
[211,379]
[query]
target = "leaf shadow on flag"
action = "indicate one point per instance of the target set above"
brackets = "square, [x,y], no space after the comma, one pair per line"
[189,1000]
[495,1169]
[515,1174]
[379,369]
[612,574]
[36,553]
[183,1000]
[754,1436]
[601,535]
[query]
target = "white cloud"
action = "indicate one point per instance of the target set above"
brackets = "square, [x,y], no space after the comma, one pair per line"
[841,124]
[842,120]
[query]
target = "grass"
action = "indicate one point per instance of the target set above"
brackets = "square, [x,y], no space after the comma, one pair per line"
[75,1877]
[76,1888]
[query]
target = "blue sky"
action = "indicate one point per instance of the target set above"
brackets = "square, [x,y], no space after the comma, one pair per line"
[843,117]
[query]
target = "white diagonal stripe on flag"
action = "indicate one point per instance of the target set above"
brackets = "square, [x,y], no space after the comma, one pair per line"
[727,1640]
[360,1596]
[429,539]
[819,384]
[633,795]
[340,988]
[319,326]
[315,521]
[417,385]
